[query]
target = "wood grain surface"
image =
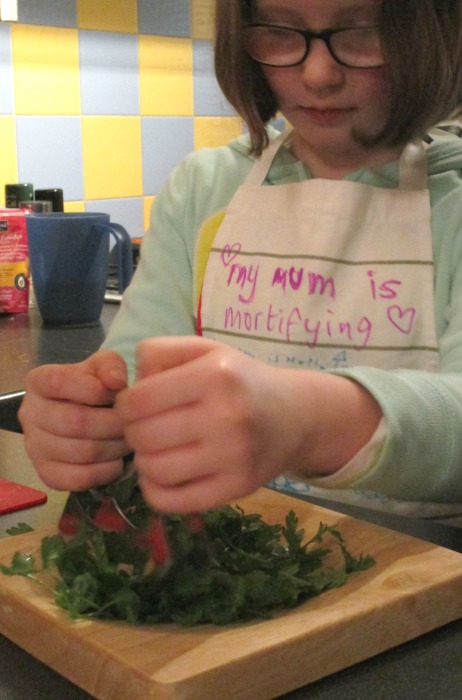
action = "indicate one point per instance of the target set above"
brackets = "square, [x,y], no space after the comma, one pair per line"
[413,588]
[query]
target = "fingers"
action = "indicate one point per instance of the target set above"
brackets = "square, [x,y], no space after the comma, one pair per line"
[188,420]
[195,495]
[109,367]
[73,420]
[177,372]
[165,367]
[69,476]
[185,462]
[72,434]
[73,460]
[196,419]
[93,382]
[159,354]
[78,450]
[59,398]
[166,431]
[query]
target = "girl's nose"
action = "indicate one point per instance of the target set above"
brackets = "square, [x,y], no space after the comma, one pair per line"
[320,69]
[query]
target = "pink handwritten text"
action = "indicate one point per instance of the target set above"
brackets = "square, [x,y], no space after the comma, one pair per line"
[294,278]
[242,276]
[293,326]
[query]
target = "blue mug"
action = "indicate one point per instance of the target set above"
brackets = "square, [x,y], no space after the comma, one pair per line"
[69,262]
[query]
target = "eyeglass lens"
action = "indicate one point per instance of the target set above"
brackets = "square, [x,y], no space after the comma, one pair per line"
[277,46]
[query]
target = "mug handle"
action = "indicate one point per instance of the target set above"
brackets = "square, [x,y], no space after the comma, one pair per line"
[124,255]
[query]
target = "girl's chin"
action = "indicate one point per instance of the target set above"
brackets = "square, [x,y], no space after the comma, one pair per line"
[342,138]
[323,141]
[345,152]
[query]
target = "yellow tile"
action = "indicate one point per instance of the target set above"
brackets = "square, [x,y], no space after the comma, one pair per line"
[166,76]
[46,70]
[74,207]
[202,19]
[112,165]
[215,131]
[108,15]
[8,160]
[147,205]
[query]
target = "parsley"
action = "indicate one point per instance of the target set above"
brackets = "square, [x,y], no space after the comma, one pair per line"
[19,529]
[244,569]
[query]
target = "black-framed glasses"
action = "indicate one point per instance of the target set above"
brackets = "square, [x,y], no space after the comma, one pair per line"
[284,47]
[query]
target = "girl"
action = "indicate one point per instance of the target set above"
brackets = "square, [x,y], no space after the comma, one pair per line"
[320,269]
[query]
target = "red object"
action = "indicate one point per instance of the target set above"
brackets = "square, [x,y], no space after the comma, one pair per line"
[69,524]
[195,523]
[14,262]
[108,518]
[15,496]
[155,539]
[199,317]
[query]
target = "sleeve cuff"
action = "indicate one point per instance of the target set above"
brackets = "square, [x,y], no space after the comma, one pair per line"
[359,465]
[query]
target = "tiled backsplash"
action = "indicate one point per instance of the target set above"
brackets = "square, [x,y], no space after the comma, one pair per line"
[104,98]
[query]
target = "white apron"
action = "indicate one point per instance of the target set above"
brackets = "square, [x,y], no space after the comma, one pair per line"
[326,274]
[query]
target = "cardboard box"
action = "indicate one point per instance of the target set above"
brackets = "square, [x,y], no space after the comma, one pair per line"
[14,262]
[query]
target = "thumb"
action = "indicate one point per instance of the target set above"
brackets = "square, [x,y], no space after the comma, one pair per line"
[159,354]
[109,367]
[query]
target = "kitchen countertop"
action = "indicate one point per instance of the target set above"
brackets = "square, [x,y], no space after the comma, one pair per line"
[426,668]
[25,343]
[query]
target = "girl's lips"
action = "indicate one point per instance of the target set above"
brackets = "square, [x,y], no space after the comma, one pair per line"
[325,116]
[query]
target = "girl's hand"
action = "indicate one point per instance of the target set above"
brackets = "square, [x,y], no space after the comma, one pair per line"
[72,433]
[209,424]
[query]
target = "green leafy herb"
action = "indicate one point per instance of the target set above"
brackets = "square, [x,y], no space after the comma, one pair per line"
[243,569]
[19,529]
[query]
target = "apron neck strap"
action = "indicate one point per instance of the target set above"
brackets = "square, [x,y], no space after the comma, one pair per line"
[263,164]
[412,164]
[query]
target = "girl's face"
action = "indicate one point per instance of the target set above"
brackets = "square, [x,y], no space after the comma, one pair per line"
[335,111]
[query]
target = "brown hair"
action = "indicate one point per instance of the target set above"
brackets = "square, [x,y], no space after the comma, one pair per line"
[422,42]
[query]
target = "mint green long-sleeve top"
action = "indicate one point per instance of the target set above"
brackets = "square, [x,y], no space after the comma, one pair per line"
[421,458]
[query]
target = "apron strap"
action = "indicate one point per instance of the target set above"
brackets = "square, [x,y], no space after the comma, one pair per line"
[412,164]
[262,165]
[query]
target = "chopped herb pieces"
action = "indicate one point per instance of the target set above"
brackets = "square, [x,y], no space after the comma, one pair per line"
[244,569]
[19,529]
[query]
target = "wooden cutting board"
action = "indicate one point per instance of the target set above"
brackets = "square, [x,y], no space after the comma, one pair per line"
[414,587]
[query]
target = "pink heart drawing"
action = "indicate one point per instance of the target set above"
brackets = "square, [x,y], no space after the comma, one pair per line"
[229,253]
[402,320]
